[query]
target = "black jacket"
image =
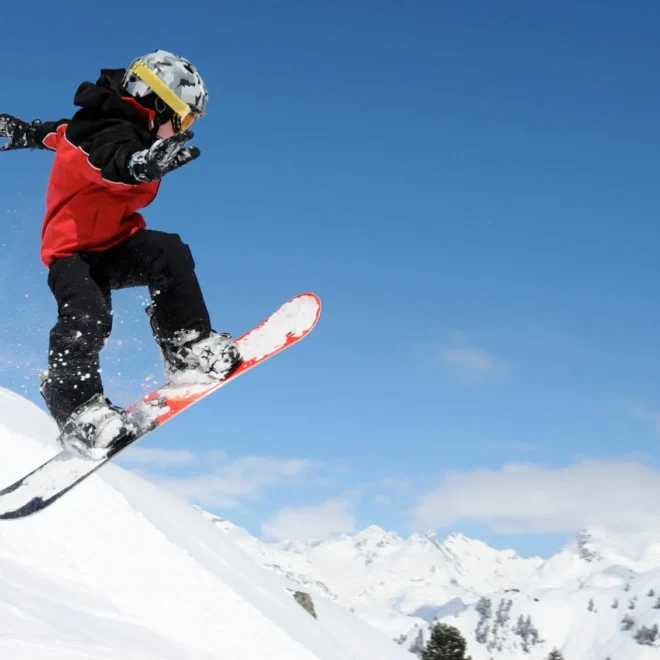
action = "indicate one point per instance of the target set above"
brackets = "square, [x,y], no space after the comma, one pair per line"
[109,127]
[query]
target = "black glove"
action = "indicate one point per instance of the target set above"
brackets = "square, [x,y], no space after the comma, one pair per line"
[162,157]
[20,133]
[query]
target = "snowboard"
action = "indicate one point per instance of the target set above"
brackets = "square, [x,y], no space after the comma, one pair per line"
[60,474]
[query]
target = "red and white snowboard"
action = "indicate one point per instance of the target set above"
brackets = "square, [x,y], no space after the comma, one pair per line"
[41,487]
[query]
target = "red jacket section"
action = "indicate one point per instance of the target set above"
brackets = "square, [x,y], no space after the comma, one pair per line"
[84,211]
[92,202]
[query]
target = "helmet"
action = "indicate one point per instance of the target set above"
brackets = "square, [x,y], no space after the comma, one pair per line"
[169,84]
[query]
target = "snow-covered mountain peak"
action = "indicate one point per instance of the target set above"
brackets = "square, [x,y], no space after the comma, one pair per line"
[375,536]
[460,550]
[599,558]
[588,545]
[639,550]
[425,539]
[459,546]
[593,544]
[369,540]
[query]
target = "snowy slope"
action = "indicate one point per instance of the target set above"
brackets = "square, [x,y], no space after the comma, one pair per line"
[119,569]
[400,586]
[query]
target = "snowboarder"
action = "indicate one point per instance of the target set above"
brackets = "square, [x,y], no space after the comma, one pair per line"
[132,128]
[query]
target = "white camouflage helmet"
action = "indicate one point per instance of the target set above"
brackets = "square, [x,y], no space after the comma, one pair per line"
[176,72]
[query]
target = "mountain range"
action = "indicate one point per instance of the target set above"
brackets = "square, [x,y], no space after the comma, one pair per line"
[597,598]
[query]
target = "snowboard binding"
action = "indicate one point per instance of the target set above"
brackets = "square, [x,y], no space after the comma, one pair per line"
[94,428]
[194,359]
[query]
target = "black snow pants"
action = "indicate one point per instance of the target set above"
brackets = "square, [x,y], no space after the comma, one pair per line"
[82,284]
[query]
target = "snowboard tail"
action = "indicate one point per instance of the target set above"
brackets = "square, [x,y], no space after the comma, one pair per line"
[37,490]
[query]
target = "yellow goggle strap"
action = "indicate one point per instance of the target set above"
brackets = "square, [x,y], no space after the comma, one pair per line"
[182,109]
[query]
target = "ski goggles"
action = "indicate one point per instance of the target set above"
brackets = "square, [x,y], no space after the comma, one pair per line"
[183,115]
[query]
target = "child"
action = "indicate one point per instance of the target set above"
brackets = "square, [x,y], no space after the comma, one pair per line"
[131,130]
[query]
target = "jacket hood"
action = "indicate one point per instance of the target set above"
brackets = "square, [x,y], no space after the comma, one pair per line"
[108,96]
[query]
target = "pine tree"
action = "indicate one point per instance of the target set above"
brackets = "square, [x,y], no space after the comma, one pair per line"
[527,632]
[615,603]
[651,593]
[496,634]
[646,635]
[485,609]
[627,622]
[555,655]
[591,606]
[446,643]
[657,603]
[417,647]
[503,612]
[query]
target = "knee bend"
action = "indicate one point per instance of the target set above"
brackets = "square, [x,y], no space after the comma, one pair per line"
[174,255]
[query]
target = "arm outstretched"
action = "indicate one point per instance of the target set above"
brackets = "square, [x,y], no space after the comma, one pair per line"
[24,135]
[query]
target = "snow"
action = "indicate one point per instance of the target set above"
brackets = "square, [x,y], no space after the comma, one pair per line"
[564,621]
[119,568]
[296,316]
[401,585]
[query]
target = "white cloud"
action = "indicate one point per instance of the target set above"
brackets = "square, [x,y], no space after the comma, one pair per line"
[524,498]
[470,365]
[311,522]
[154,456]
[234,481]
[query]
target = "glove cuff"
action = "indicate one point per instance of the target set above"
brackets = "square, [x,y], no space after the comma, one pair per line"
[138,166]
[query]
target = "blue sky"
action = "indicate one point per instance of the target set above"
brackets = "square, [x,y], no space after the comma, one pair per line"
[473,191]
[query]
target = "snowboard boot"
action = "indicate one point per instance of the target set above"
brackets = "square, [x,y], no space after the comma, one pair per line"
[190,359]
[92,429]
